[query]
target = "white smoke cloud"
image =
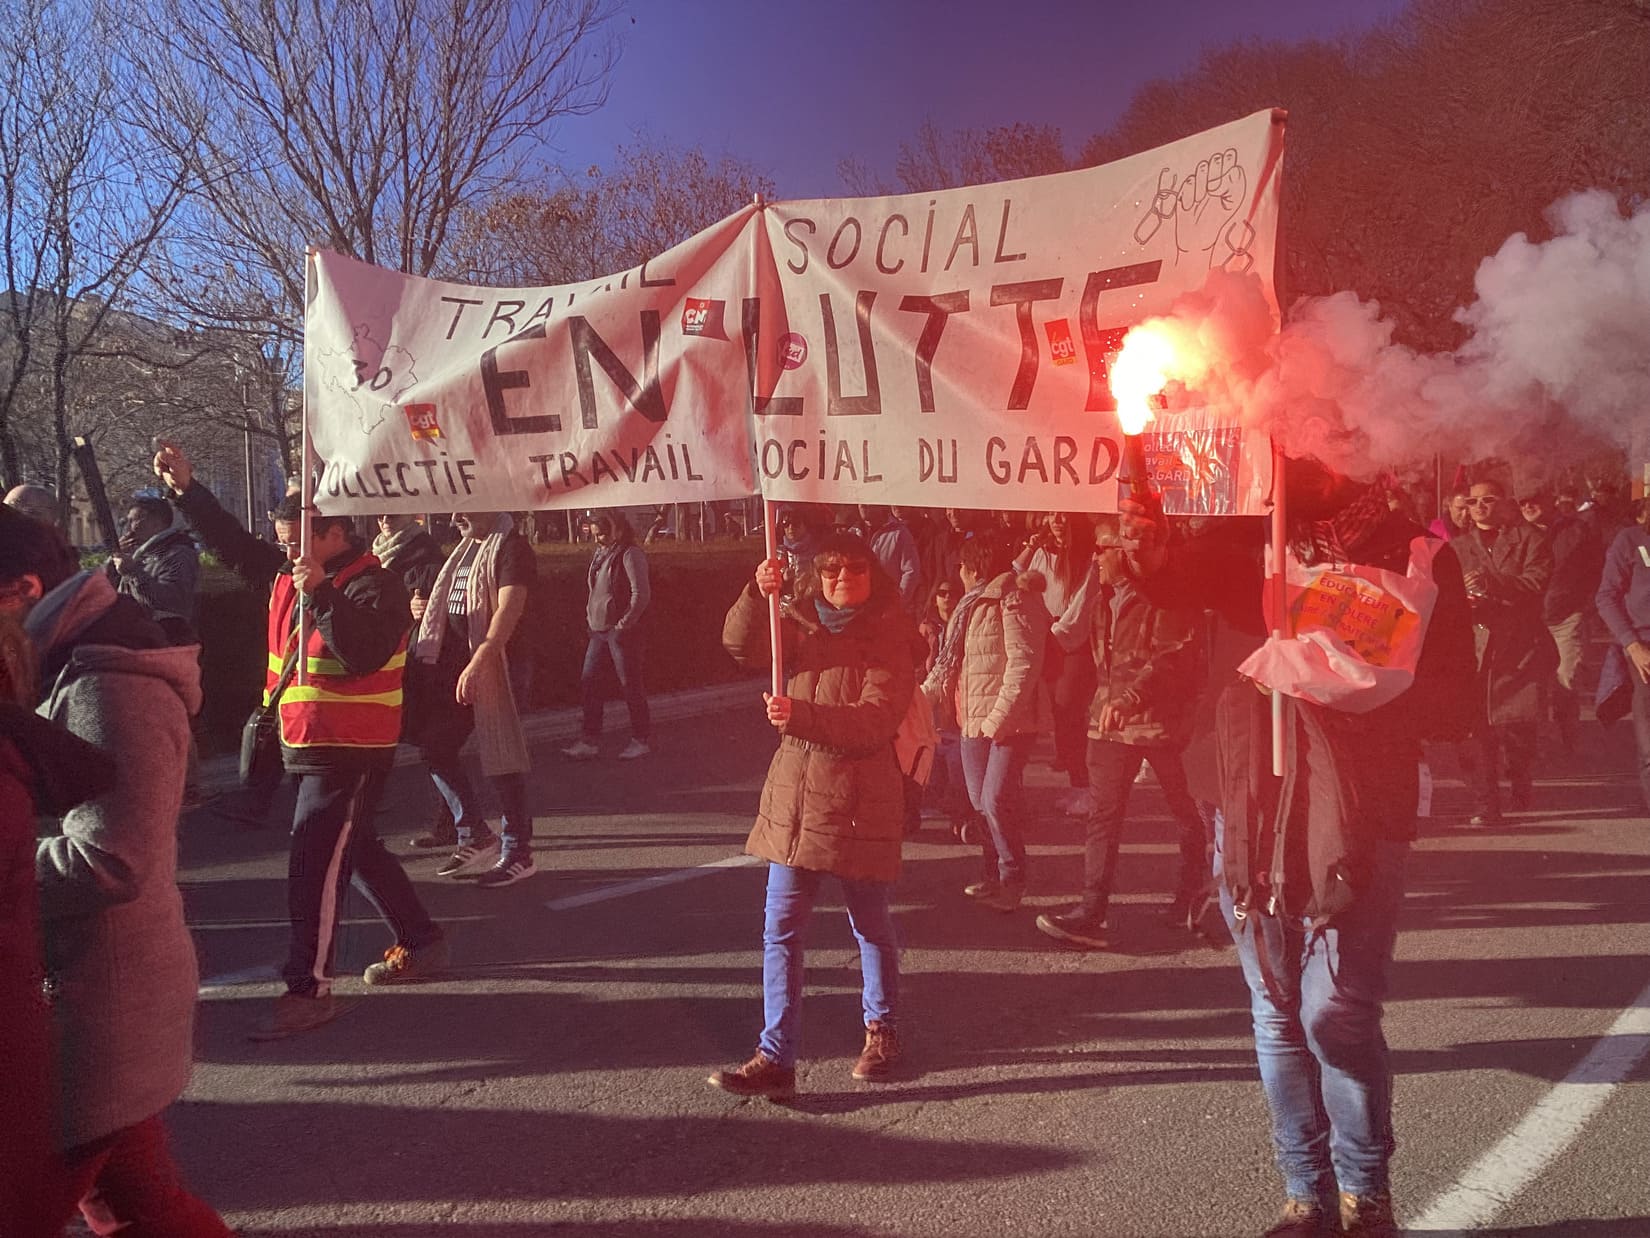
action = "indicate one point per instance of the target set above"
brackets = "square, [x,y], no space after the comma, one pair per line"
[1558,354]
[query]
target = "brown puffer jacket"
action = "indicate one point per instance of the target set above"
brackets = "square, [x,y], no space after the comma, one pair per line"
[833,801]
[999,687]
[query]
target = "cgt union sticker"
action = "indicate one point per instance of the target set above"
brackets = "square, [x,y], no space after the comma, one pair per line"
[421,420]
[1062,348]
[703,317]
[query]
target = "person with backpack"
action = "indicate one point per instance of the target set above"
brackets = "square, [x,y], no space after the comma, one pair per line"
[991,664]
[1311,866]
[832,801]
[619,596]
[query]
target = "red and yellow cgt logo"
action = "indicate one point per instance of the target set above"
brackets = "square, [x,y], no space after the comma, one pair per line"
[421,420]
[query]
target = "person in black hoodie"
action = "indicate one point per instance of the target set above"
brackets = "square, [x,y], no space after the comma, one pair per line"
[1310,866]
[338,735]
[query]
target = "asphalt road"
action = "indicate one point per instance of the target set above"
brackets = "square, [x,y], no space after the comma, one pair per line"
[555,1081]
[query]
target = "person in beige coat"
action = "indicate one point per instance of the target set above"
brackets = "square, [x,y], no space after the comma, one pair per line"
[991,664]
[833,801]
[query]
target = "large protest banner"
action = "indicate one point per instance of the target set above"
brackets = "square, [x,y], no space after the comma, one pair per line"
[944,349]
[429,396]
[951,349]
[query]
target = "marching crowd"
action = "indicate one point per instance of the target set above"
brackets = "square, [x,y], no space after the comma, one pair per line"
[925,655]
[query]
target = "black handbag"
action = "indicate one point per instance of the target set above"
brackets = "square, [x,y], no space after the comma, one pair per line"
[261,735]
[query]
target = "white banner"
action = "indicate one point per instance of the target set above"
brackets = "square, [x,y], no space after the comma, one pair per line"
[941,350]
[427,396]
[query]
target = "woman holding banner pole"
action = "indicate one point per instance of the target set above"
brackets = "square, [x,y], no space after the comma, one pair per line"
[832,803]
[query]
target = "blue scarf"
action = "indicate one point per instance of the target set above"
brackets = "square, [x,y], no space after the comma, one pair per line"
[835,618]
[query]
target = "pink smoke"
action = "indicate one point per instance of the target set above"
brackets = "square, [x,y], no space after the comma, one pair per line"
[1558,353]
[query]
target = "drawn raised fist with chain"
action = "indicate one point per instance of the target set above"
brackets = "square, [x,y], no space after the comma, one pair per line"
[1204,206]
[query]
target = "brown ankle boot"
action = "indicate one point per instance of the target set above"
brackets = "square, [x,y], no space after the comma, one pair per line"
[1369,1216]
[881,1052]
[761,1076]
[1303,1218]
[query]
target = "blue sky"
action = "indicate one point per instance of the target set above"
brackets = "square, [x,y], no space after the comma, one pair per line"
[795,87]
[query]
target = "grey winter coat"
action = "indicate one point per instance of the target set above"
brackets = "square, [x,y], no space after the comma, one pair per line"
[120,966]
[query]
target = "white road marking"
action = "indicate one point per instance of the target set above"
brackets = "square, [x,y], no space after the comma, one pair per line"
[1492,1183]
[604,893]
[246,975]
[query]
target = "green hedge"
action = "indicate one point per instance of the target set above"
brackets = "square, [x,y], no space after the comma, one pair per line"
[693,586]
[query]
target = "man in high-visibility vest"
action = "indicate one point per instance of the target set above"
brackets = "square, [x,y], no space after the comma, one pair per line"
[338,735]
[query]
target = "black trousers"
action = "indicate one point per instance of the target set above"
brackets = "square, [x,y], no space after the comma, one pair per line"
[1511,744]
[334,841]
[1112,767]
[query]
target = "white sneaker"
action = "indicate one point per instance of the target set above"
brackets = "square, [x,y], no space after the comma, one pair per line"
[584,750]
[635,748]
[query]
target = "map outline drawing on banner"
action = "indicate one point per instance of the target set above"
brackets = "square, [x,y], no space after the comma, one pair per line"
[380,373]
[1205,207]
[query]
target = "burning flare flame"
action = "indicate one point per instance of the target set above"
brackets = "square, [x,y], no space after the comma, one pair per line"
[1142,368]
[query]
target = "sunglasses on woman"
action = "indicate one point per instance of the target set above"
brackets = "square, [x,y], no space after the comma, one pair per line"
[830,571]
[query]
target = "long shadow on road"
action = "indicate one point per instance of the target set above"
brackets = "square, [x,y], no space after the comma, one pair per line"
[685,1227]
[455,1154]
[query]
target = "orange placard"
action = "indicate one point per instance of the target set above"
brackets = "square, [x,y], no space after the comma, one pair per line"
[1371,621]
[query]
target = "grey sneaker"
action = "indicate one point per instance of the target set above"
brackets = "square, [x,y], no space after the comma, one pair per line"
[1075,927]
[1005,898]
[635,748]
[406,965]
[469,860]
[583,750]
[509,870]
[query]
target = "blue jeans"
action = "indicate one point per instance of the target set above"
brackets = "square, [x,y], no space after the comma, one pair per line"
[1318,1042]
[995,773]
[791,896]
[1641,730]
[454,786]
[624,650]
[443,726]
